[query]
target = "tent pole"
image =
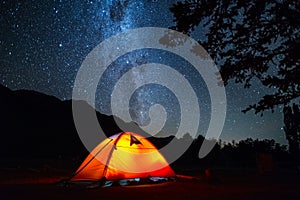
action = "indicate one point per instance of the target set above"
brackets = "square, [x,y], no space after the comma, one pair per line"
[110,154]
[78,171]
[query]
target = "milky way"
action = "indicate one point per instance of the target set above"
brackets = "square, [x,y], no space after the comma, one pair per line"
[43,44]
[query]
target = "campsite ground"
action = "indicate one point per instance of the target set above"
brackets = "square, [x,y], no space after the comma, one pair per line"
[233,184]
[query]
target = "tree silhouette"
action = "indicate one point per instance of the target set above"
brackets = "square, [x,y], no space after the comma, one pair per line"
[251,40]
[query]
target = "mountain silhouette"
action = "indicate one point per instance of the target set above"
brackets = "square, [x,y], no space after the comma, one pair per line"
[36,125]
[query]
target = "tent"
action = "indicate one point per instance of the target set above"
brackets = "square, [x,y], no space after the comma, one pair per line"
[122,156]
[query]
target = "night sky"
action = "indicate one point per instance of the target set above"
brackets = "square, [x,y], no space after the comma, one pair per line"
[43,44]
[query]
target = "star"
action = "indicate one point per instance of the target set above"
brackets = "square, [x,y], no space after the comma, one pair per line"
[43,46]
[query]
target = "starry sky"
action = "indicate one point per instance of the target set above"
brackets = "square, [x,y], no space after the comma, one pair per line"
[43,44]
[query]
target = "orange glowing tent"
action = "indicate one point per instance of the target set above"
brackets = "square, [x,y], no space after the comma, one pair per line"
[125,155]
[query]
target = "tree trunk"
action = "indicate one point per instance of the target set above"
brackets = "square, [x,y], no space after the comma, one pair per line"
[292,131]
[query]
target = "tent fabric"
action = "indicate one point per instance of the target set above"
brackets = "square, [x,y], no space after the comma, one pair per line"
[123,156]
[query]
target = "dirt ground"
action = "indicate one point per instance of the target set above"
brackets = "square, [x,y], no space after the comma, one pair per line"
[34,184]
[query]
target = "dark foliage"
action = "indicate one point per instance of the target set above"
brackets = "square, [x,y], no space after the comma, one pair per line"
[251,40]
[255,39]
[243,154]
